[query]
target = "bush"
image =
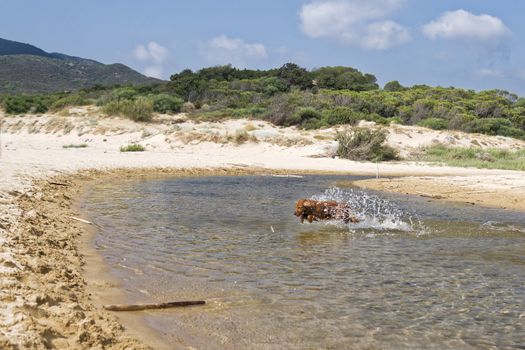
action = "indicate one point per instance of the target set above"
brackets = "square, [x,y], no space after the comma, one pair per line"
[341,115]
[364,144]
[139,110]
[72,100]
[489,126]
[434,123]
[132,148]
[165,103]
[25,104]
[307,117]
[188,107]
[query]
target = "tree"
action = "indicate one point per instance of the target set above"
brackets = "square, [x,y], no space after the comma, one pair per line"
[393,86]
[295,75]
[344,78]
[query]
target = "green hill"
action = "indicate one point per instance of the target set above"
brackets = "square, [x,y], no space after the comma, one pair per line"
[27,69]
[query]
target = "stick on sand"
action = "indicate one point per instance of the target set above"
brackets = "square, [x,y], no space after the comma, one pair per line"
[140,307]
[81,220]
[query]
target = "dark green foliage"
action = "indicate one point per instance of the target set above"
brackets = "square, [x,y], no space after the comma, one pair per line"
[489,126]
[364,144]
[165,103]
[393,86]
[434,123]
[292,95]
[26,104]
[341,115]
[344,78]
[294,75]
[308,118]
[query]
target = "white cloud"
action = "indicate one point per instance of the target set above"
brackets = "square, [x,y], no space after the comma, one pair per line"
[223,50]
[463,25]
[383,35]
[152,52]
[354,22]
[154,55]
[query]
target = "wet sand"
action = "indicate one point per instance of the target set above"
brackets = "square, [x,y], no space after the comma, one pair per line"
[504,191]
[46,257]
[58,283]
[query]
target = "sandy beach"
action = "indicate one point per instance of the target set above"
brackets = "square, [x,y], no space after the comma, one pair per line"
[44,293]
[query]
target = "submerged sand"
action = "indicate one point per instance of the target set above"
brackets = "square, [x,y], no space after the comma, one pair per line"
[44,293]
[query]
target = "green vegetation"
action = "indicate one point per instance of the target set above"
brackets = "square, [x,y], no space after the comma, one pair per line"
[80,145]
[490,158]
[132,148]
[434,123]
[139,110]
[293,96]
[364,144]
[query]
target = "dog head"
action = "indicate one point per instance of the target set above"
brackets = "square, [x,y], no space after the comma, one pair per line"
[303,209]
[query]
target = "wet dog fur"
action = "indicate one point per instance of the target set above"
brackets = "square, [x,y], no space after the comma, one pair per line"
[311,210]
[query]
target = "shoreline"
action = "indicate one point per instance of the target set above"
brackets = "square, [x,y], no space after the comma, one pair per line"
[44,301]
[60,274]
[504,192]
[102,287]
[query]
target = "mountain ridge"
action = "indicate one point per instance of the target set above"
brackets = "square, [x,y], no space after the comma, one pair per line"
[25,68]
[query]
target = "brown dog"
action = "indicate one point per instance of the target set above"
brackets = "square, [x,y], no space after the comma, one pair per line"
[312,210]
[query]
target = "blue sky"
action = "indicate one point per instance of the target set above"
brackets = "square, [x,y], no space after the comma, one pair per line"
[472,44]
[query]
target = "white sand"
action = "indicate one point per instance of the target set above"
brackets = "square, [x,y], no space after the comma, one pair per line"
[32,148]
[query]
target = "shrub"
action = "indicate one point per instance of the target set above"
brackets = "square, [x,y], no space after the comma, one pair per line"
[165,103]
[72,100]
[307,117]
[139,110]
[489,126]
[132,148]
[364,144]
[25,104]
[188,107]
[125,93]
[434,123]
[341,115]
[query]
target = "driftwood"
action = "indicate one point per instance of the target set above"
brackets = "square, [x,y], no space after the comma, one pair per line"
[81,220]
[58,183]
[140,307]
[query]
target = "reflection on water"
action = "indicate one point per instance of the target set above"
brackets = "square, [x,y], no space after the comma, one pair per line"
[416,275]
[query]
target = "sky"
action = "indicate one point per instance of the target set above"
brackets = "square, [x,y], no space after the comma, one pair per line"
[472,44]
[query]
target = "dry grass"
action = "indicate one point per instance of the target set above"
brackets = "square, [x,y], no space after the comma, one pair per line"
[238,138]
[250,127]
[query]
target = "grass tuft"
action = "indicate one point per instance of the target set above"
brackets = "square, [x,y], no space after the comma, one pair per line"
[132,148]
[488,158]
[81,145]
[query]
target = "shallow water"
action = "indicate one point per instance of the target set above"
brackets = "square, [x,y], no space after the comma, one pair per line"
[414,274]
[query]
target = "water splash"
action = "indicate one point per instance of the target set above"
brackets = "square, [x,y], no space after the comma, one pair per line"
[500,226]
[373,211]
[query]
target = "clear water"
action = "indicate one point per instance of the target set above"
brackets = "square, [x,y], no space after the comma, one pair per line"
[413,274]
